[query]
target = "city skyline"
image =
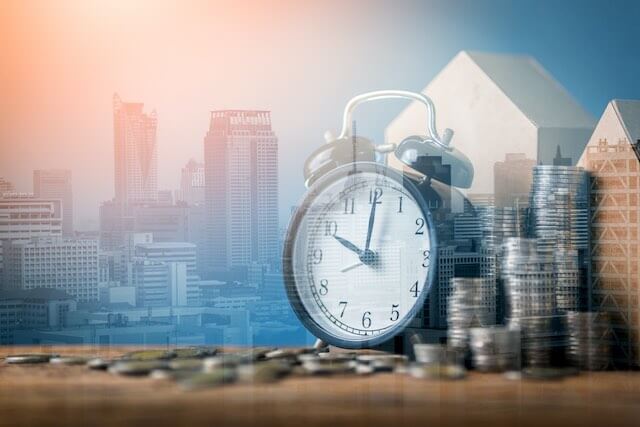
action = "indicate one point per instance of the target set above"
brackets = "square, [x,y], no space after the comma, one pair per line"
[62,117]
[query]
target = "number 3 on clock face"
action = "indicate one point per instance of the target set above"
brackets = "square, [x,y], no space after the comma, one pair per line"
[359,255]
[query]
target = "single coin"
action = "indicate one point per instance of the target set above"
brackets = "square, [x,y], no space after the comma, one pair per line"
[29,358]
[137,367]
[214,378]
[69,360]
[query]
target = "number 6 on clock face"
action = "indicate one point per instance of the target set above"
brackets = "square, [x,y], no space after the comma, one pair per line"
[359,255]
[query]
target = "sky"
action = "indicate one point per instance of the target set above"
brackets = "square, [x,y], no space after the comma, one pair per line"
[61,61]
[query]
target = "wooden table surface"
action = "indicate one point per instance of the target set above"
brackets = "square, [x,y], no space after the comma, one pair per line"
[37,395]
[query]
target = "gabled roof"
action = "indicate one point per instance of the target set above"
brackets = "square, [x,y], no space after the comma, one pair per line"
[532,89]
[628,112]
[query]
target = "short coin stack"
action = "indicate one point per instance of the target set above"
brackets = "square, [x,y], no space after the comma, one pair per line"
[588,341]
[472,304]
[495,348]
[528,274]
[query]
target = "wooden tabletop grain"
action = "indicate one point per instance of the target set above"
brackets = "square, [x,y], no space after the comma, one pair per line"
[45,395]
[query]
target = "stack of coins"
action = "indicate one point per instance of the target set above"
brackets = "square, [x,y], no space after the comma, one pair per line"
[528,274]
[472,304]
[588,342]
[495,348]
[559,204]
[500,223]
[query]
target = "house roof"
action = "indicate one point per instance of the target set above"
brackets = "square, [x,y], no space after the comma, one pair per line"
[543,100]
[628,112]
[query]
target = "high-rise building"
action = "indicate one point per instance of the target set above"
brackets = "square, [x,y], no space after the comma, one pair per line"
[612,158]
[6,186]
[512,180]
[56,184]
[241,190]
[26,217]
[179,285]
[115,222]
[192,183]
[53,262]
[136,152]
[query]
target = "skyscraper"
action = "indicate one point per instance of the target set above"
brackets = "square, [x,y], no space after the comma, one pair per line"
[512,180]
[612,157]
[56,184]
[241,189]
[192,183]
[136,152]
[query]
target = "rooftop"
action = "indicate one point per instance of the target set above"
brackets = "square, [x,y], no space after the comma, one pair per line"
[533,90]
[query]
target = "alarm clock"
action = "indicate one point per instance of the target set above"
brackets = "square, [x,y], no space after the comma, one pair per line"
[360,253]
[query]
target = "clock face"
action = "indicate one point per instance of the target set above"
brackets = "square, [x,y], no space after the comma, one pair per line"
[359,256]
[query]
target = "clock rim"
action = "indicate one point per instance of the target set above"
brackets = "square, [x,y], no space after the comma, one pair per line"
[291,289]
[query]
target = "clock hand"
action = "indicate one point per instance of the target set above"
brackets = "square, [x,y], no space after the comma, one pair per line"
[372,217]
[351,267]
[347,244]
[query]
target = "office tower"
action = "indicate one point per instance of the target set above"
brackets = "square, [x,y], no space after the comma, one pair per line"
[53,262]
[5,187]
[115,222]
[192,183]
[493,113]
[612,158]
[26,217]
[512,180]
[167,253]
[159,284]
[482,199]
[56,184]
[241,190]
[167,223]
[31,309]
[136,152]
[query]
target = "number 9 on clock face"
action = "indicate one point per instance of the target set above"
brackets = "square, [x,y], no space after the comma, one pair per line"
[359,256]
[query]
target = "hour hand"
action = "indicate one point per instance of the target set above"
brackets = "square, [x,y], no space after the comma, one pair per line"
[347,244]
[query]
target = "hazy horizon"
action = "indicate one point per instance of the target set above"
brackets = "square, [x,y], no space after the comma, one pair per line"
[62,62]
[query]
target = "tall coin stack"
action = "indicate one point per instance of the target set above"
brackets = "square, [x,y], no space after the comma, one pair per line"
[528,274]
[588,341]
[559,219]
[472,304]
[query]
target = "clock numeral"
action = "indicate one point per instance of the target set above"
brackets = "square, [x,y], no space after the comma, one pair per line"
[420,224]
[366,320]
[330,228]
[317,256]
[343,304]
[426,254]
[395,314]
[349,206]
[414,290]
[399,204]
[375,194]
[324,283]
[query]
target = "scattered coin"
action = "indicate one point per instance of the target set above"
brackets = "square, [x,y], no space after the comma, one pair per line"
[143,355]
[264,372]
[29,358]
[213,378]
[98,364]
[69,360]
[137,367]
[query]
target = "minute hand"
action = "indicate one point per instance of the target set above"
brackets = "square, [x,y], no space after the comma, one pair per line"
[372,217]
